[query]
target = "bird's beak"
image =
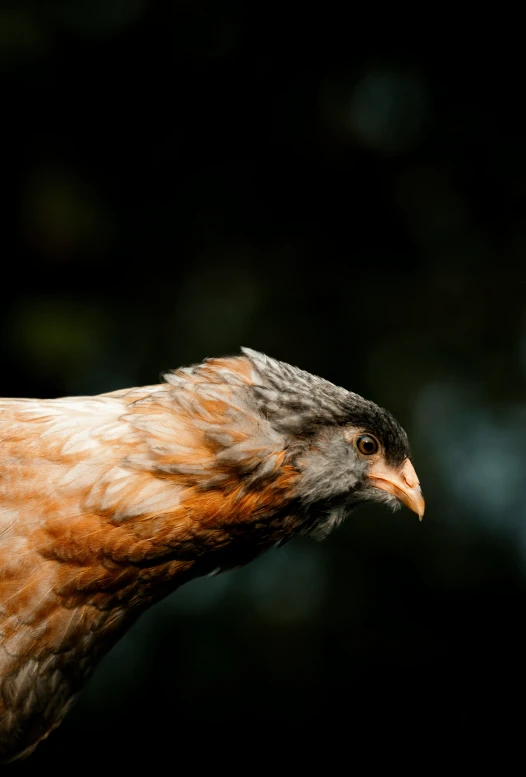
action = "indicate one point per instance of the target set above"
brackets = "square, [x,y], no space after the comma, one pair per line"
[403,483]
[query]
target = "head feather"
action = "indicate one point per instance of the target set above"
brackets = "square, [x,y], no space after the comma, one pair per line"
[299,403]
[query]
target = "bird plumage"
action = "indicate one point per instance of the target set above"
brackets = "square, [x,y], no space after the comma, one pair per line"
[108,503]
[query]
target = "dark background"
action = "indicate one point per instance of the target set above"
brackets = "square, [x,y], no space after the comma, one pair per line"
[184,178]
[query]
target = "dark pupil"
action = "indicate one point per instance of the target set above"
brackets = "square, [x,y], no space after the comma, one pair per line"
[368,445]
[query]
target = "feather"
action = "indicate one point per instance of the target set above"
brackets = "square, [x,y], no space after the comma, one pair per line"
[108,503]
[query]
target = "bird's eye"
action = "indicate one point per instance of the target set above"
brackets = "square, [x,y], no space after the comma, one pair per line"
[367,444]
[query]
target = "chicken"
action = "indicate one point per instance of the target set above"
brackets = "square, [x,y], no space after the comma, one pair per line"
[110,502]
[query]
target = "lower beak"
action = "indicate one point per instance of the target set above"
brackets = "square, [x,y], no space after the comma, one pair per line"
[402,483]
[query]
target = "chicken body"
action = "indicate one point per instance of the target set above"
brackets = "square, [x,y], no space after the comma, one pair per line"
[108,503]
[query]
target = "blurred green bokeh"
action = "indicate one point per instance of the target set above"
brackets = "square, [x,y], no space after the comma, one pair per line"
[187,178]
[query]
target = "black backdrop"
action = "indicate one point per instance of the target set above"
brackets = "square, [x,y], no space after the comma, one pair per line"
[185,178]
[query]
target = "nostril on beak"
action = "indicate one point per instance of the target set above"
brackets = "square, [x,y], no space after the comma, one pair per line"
[408,474]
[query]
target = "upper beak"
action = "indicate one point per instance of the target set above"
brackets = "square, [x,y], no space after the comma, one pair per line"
[403,483]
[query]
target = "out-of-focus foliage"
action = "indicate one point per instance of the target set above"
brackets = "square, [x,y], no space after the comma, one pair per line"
[185,178]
